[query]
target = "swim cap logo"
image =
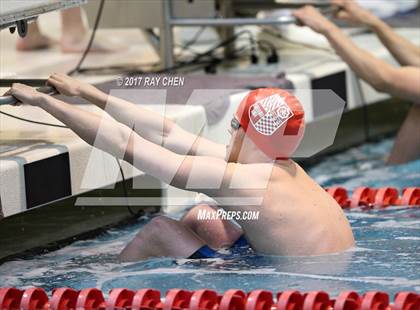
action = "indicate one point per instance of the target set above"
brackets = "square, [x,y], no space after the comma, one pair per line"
[269,114]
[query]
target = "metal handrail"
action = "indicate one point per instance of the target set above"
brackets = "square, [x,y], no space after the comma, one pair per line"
[188,22]
[4,100]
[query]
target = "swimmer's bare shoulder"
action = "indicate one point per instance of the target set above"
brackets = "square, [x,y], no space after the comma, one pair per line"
[275,180]
[298,216]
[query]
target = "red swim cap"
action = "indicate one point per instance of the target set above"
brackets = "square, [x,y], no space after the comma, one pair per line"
[274,120]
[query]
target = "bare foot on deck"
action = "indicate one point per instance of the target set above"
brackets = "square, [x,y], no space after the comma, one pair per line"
[35,41]
[78,44]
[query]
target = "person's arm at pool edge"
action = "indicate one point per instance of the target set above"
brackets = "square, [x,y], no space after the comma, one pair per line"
[208,175]
[404,51]
[148,124]
[401,82]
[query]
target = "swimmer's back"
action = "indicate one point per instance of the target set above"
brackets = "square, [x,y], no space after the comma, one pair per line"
[298,217]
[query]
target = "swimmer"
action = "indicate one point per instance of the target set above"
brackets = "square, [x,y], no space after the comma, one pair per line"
[253,173]
[402,82]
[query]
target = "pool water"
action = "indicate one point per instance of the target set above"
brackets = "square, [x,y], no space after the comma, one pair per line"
[386,257]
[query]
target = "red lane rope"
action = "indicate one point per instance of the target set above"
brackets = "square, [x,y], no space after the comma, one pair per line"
[179,299]
[369,197]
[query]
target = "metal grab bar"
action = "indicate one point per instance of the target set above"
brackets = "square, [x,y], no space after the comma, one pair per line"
[188,22]
[12,100]
[281,20]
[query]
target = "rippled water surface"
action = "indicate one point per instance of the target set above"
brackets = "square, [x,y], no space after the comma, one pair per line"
[386,257]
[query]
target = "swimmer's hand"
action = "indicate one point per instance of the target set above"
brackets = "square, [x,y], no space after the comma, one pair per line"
[25,94]
[353,13]
[311,17]
[65,84]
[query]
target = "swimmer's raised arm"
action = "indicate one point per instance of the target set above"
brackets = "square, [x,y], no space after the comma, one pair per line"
[148,124]
[404,51]
[398,81]
[210,175]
